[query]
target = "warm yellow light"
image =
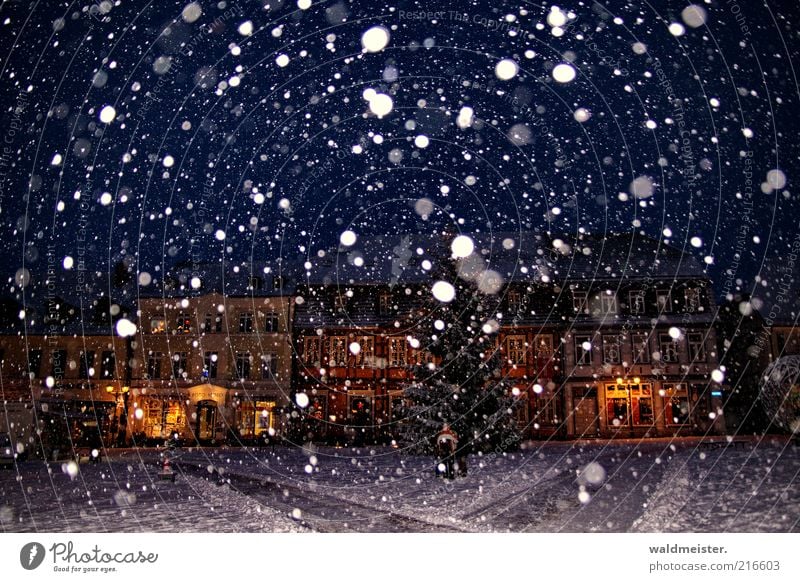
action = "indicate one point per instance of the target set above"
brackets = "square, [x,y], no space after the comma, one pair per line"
[125,389]
[109,389]
[619,380]
[637,380]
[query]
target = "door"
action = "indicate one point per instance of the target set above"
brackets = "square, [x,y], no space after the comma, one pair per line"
[584,406]
[206,420]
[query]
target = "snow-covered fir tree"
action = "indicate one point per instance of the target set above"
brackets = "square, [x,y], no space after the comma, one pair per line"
[465,388]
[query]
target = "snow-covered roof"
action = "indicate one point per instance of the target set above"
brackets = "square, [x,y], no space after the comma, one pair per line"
[520,256]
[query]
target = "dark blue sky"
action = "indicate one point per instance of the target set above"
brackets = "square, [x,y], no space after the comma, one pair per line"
[235,142]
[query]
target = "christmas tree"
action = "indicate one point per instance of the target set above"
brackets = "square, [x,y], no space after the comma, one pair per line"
[464,387]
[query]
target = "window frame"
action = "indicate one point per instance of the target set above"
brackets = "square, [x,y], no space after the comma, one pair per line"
[640,348]
[637,302]
[664,339]
[337,351]
[579,351]
[516,350]
[697,346]
[398,352]
[666,305]
[243,365]
[246,322]
[271,322]
[612,340]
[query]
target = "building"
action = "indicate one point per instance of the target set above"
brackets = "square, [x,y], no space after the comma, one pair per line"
[67,387]
[201,366]
[212,367]
[608,336]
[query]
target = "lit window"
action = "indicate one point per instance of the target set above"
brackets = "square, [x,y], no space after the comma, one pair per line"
[158,325]
[337,355]
[183,323]
[311,351]
[366,351]
[397,352]
[517,349]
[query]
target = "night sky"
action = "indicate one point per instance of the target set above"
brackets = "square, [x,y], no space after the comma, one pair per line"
[144,135]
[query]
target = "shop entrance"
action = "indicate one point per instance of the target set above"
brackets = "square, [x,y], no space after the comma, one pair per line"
[584,406]
[206,421]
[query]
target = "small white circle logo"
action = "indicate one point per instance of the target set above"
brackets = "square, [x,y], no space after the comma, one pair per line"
[31,555]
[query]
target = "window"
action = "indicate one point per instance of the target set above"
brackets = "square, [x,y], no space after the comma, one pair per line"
[514,299]
[179,365]
[243,365]
[385,304]
[612,349]
[697,349]
[636,302]
[245,322]
[629,404]
[58,359]
[154,365]
[218,324]
[269,365]
[86,365]
[366,354]
[640,348]
[256,283]
[545,409]
[158,325]
[668,348]
[271,322]
[583,350]
[397,352]
[663,301]
[692,299]
[210,361]
[337,355]
[608,303]
[544,346]
[108,365]
[35,362]
[183,323]
[311,351]
[579,301]
[516,349]
[207,324]
[256,418]
[676,404]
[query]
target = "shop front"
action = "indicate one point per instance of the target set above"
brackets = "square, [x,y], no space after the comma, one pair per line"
[207,403]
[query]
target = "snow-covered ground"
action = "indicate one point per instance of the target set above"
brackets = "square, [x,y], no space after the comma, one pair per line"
[578,487]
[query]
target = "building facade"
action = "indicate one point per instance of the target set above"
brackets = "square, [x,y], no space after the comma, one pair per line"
[211,368]
[592,345]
